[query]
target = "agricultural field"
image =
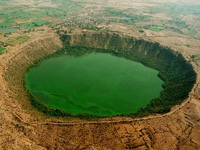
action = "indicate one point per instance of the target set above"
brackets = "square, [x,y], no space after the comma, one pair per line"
[2,49]
[18,40]
[154,17]
[34,24]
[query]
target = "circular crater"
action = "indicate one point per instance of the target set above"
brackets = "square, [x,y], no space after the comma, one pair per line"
[100,75]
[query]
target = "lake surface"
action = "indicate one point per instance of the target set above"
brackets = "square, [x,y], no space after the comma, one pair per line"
[99,84]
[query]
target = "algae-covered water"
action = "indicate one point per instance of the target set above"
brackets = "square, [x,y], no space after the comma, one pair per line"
[99,84]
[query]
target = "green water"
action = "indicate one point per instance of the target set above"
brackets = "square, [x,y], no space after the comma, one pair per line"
[99,84]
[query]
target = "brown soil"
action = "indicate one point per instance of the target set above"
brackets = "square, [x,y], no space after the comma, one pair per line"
[23,127]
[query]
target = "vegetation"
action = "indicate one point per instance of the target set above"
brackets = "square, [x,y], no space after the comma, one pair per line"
[194,58]
[176,9]
[34,24]
[12,15]
[5,24]
[178,23]
[65,6]
[18,40]
[191,31]
[175,30]
[2,49]
[174,70]
[26,17]
[126,16]
[141,31]
[153,28]
[21,14]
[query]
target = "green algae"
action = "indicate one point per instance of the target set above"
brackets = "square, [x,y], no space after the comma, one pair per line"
[97,84]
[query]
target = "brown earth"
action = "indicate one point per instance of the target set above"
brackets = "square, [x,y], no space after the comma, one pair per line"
[23,127]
